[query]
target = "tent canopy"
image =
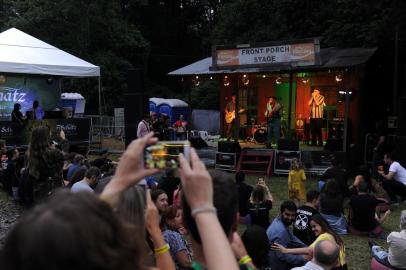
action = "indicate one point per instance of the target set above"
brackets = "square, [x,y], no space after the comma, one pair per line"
[22,53]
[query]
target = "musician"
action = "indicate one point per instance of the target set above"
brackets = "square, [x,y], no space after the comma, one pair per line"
[16,115]
[273,118]
[36,112]
[316,116]
[230,116]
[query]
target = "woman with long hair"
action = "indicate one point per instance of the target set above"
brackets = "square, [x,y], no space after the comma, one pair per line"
[259,206]
[45,164]
[322,231]
[173,230]
[331,207]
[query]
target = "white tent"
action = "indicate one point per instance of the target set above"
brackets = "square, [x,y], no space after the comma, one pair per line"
[22,53]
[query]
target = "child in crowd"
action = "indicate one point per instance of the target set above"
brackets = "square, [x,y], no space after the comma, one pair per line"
[296,182]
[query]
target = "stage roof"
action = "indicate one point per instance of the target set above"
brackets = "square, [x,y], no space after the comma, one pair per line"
[331,58]
[22,53]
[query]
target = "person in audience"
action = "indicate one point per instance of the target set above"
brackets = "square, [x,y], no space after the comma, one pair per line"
[395,180]
[68,161]
[10,179]
[223,204]
[78,176]
[88,183]
[169,183]
[45,164]
[322,231]
[77,163]
[160,199]
[363,175]
[257,245]
[173,225]
[325,257]
[331,207]
[339,174]
[296,182]
[364,215]
[244,193]
[394,258]
[81,231]
[301,226]
[259,206]
[278,232]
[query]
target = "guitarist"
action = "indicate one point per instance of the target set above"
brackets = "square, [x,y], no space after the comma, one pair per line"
[273,119]
[230,116]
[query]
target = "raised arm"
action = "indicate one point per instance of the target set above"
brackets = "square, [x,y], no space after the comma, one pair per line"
[130,169]
[198,189]
[298,251]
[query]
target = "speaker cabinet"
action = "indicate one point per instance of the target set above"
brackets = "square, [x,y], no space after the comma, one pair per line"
[288,144]
[229,147]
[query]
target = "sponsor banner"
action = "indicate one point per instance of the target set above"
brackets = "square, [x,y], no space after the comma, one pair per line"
[304,53]
[24,90]
[76,130]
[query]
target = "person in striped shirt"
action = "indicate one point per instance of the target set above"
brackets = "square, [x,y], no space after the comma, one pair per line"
[316,116]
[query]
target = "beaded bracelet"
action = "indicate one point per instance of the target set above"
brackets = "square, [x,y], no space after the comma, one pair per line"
[161,250]
[245,259]
[197,211]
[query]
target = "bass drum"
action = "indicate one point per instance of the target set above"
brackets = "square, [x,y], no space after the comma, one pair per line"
[260,135]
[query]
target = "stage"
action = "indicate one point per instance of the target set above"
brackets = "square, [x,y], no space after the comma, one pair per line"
[254,158]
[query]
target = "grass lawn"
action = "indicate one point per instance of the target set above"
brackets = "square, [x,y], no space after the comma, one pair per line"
[357,249]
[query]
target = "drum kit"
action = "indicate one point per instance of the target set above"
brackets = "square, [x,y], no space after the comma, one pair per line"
[257,134]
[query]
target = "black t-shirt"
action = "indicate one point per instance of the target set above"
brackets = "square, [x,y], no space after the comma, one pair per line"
[260,213]
[363,212]
[301,226]
[244,194]
[331,205]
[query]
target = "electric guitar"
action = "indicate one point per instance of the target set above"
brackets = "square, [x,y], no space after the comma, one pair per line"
[230,116]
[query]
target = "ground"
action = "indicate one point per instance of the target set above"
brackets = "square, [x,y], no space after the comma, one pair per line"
[357,250]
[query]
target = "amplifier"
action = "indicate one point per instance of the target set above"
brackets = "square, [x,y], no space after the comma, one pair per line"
[226,161]
[283,159]
[229,147]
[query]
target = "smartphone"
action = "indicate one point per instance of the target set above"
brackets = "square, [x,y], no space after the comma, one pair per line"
[165,154]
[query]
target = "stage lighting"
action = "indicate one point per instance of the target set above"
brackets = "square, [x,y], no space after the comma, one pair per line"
[339,77]
[226,81]
[245,80]
[278,80]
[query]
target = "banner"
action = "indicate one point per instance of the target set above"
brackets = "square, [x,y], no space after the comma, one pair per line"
[76,130]
[301,53]
[24,90]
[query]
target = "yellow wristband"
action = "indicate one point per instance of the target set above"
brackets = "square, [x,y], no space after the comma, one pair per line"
[244,260]
[161,250]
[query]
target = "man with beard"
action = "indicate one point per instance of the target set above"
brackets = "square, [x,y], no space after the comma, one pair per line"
[90,181]
[278,232]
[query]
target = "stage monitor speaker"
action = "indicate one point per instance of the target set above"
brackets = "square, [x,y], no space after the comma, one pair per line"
[283,160]
[197,142]
[229,147]
[334,145]
[288,144]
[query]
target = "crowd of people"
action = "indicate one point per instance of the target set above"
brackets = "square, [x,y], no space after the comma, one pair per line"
[102,214]
[160,125]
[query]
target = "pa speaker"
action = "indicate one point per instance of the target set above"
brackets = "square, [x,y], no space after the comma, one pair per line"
[229,147]
[288,144]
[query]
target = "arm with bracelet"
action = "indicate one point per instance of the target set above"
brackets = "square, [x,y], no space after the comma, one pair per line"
[161,248]
[198,189]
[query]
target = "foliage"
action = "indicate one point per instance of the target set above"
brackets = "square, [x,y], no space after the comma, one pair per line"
[92,30]
[206,95]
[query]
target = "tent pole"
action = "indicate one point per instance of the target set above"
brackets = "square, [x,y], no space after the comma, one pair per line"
[100,102]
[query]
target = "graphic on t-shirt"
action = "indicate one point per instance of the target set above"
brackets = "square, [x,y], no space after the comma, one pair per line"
[301,222]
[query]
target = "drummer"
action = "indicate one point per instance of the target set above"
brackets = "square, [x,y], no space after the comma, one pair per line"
[273,119]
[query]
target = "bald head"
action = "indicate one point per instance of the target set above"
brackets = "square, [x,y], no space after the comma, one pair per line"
[326,254]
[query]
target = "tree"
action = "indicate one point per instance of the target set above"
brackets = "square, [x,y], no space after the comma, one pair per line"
[92,30]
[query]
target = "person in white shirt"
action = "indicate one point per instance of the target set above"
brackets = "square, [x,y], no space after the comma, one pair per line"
[395,180]
[90,181]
